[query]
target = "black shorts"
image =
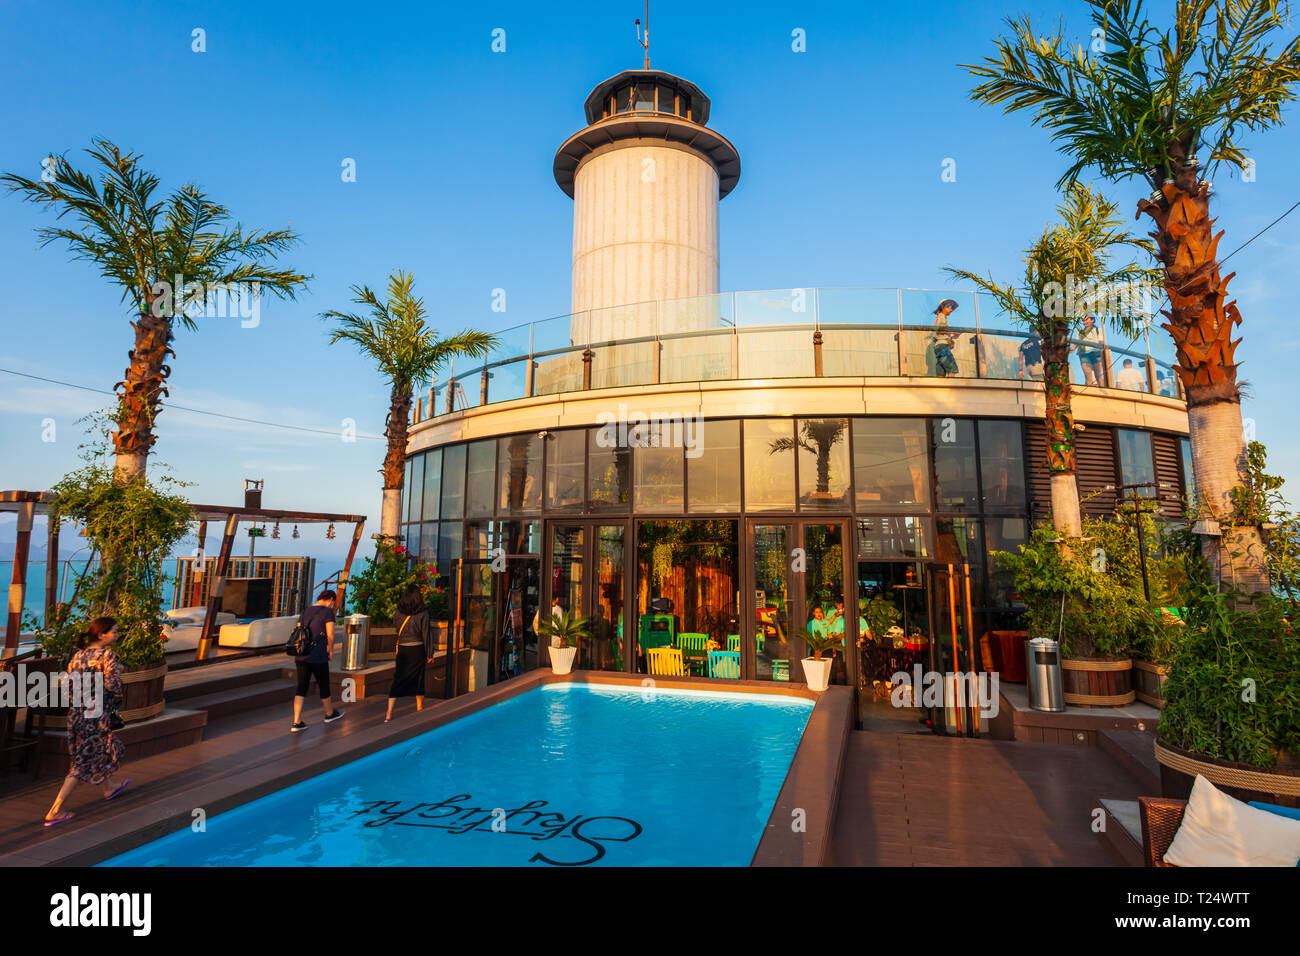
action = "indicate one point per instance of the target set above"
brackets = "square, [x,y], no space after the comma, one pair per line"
[319,671]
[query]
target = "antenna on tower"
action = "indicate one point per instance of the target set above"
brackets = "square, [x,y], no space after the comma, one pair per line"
[644,39]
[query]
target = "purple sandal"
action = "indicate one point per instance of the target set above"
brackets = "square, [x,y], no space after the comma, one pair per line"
[120,788]
[63,817]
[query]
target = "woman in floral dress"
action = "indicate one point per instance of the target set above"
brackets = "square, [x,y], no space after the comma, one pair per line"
[95,753]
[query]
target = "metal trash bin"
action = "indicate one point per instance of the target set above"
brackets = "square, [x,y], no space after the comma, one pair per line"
[1043,668]
[356,643]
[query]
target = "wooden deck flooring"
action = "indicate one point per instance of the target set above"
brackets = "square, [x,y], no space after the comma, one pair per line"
[919,800]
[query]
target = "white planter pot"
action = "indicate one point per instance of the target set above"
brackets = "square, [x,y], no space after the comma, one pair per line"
[817,672]
[562,659]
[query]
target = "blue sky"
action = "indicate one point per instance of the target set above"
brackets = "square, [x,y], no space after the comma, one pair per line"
[841,149]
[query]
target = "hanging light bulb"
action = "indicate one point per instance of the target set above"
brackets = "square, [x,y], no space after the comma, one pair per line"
[275,532]
[330,533]
[295,532]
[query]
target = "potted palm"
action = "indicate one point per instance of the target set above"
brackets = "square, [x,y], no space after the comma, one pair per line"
[563,631]
[817,669]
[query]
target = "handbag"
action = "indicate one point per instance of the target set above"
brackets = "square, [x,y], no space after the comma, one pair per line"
[113,706]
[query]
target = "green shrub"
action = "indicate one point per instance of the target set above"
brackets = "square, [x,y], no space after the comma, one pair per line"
[377,587]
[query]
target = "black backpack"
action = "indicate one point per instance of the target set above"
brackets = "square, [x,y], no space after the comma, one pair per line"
[300,641]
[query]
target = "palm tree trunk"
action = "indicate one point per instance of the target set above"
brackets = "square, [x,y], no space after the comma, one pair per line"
[395,463]
[1201,322]
[1059,418]
[140,395]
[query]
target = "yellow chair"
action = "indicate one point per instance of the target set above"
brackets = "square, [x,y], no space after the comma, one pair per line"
[665,661]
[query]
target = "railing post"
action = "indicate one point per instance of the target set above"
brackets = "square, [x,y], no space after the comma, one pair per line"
[659,358]
[530,377]
[587,356]
[735,348]
[483,387]
[817,352]
[902,350]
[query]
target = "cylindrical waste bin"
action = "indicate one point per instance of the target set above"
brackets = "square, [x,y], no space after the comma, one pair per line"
[356,645]
[1044,671]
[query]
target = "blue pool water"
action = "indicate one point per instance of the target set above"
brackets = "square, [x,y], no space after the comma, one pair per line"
[564,775]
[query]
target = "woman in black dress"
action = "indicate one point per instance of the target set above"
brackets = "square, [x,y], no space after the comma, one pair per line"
[412,620]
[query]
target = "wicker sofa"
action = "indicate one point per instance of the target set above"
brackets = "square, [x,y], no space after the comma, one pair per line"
[1160,819]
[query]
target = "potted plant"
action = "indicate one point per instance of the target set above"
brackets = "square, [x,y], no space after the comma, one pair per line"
[817,669]
[133,526]
[563,631]
[1155,640]
[376,588]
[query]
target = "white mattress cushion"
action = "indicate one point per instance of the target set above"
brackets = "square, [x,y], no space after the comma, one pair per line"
[1219,830]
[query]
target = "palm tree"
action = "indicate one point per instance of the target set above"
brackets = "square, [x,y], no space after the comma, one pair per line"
[819,436]
[1078,250]
[157,251]
[1142,109]
[407,351]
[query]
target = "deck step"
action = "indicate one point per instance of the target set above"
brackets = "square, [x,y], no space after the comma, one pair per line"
[1122,834]
[190,684]
[1134,751]
[236,700]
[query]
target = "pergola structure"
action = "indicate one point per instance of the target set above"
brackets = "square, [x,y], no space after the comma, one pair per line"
[29,504]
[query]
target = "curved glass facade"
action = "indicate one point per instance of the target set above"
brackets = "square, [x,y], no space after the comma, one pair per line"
[715,547]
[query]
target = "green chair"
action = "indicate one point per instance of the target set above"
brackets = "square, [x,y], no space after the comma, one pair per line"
[692,646]
[724,664]
[759,639]
[733,642]
[780,670]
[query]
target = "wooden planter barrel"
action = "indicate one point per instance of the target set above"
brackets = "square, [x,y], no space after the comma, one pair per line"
[142,693]
[383,639]
[1098,681]
[1149,682]
[1178,770]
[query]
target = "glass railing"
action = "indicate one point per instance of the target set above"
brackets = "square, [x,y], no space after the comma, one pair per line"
[787,333]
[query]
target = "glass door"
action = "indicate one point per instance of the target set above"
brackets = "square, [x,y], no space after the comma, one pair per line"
[949,691]
[586,576]
[770,556]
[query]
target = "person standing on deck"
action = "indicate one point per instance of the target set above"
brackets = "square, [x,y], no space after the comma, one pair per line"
[943,340]
[319,619]
[412,620]
[93,751]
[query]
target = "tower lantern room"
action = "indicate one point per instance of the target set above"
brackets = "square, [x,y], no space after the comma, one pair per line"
[645,176]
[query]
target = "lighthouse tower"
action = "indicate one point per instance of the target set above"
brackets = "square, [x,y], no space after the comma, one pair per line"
[645,175]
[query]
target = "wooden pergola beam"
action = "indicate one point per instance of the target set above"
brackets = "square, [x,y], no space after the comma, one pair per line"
[18,583]
[219,585]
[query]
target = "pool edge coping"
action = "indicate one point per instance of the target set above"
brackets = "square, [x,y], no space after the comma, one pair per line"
[778,846]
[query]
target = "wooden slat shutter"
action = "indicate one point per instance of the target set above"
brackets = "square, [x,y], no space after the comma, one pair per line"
[1168,469]
[1095,450]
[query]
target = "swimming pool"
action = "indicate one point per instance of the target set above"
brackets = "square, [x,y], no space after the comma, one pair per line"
[562,775]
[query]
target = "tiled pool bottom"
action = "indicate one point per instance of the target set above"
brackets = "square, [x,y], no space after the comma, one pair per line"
[562,775]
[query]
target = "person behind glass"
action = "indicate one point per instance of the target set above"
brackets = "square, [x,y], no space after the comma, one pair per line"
[1030,358]
[1130,377]
[319,619]
[1090,352]
[412,620]
[94,753]
[818,623]
[943,340]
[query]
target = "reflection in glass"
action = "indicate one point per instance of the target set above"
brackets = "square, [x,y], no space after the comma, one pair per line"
[1002,465]
[604,651]
[519,464]
[432,484]
[769,464]
[713,466]
[415,481]
[956,485]
[480,473]
[770,572]
[1189,474]
[893,536]
[429,543]
[564,465]
[686,587]
[449,535]
[658,484]
[453,482]
[567,572]
[520,537]
[824,589]
[1136,461]
[959,540]
[890,464]
[823,445]
[609,471]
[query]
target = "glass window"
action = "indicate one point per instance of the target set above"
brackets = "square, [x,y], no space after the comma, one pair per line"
[564,464]
[519,465]
[429,543]
[412,541]
[658,483]
[480,471]
[956,482]
[1189,473]
[645,97]
[893,536]
[683,105]
[432,484]
[609,471]
[480,539]
[453,482]
[415,481]
[713,465]
[891,467]
[449,535]
[823,464]
[1004,534]
[769,464]
[407,487]
[1002,466]
[958,541]
[520,537]
[1136,462]
[623,99]
[666,99]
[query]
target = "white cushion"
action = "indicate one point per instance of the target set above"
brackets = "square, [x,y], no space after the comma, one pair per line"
[1219,830]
